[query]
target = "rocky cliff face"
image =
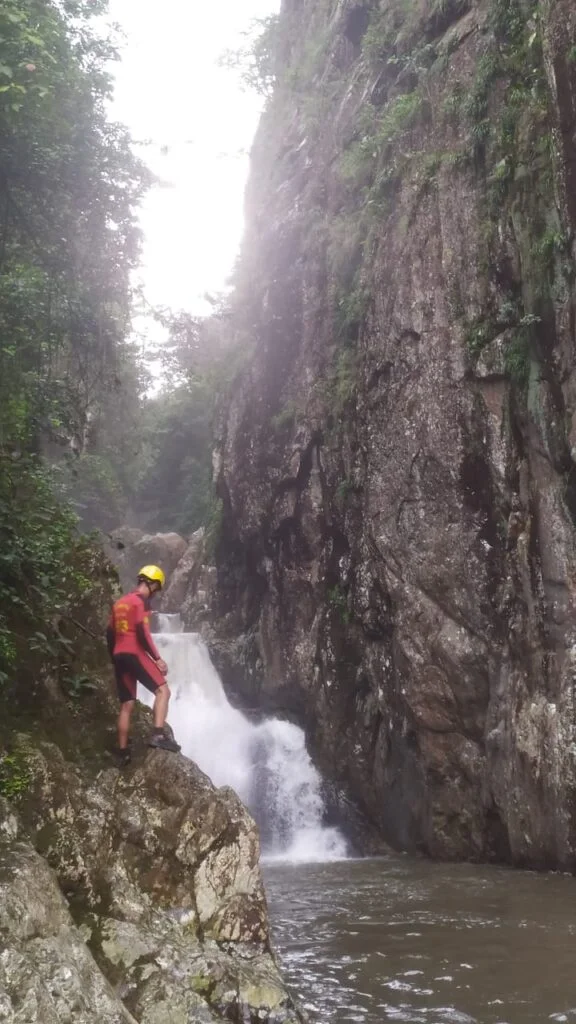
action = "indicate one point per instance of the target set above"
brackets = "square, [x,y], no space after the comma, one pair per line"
[125,896]
[397,467]
[131,897]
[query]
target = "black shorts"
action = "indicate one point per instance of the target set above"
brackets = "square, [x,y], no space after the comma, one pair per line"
[133,668]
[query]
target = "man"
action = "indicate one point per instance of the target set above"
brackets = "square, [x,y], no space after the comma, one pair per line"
[136,659]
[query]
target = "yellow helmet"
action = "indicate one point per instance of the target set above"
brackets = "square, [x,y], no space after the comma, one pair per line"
[152,574]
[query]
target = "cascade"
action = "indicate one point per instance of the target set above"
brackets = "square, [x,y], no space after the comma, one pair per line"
[265,762]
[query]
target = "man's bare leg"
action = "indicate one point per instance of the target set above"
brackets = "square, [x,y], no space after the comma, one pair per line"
[161,701]
[159,737]
[124,717]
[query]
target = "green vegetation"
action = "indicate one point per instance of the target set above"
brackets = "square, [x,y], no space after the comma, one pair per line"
[174,491]
[285,418]
[15,776]
[379,131]
[68,185]
[49,571]
[344,490]
[513,61]
[387,26]
[504,118]
[310,65]
[339,602]
[479,332]
[69,382]
[351,308]
[517,333]
[256,60]
[214,526]
[551,257]
[399,33]
[517,356]
[174,487]
[343,381]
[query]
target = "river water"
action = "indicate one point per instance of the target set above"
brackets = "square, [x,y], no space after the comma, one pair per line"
[405,940]
[393,939]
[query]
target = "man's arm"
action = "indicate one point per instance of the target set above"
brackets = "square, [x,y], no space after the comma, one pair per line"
[144,636]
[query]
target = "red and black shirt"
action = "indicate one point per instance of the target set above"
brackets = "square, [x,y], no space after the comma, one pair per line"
[128,629]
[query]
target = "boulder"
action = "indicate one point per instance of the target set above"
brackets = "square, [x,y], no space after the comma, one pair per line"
[129,549]
[47,973]
[184,579]
[165,916]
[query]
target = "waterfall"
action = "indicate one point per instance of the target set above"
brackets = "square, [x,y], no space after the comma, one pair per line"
[266,763]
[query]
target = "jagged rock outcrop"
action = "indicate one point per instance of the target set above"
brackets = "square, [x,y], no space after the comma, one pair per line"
[190,577]
[164,916]
[189,592]
[398,458]
[47,973]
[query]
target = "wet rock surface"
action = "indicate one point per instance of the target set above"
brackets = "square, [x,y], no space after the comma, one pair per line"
[397,562]
[47,973]
[132,896]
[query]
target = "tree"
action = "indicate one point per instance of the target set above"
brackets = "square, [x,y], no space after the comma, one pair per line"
[175,491]
[68,237]
[256,60]
[69,185]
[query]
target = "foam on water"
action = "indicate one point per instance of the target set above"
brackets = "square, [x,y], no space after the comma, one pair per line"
[266,762]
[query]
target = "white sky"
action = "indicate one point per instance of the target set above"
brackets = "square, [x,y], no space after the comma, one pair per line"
[169,90]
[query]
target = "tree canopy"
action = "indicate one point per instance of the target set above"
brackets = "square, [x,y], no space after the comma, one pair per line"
[69,187]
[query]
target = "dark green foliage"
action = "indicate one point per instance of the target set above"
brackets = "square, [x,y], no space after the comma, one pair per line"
[214,527]
[379,131]
[175,491]
[49,571]
[15,776]
[68,185]
[68,382]
[517,334]
[512,62]
[506,117]
[350,312]
[93,488]
[343,381]
[177,426]
[339,602]
[303,74]
[552,260]
[479,333]
[517,357]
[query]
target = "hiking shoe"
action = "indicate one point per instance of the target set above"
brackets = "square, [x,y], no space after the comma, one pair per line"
[124,756]
[163,742]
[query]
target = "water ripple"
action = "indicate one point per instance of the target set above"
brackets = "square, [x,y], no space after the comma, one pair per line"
[401,940]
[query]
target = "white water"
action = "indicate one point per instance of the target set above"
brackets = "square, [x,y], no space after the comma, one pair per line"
[266,763]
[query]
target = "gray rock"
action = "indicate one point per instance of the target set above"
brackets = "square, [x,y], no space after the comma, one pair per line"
[396,461]
[184,580]
[166,917]
[47,974]
[130,549]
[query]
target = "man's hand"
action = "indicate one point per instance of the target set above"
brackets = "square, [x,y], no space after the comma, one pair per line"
[162,666]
